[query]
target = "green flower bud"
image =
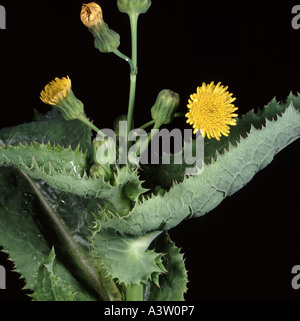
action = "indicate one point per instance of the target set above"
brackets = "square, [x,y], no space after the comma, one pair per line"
[96,144]
[134,6]
[98,171]
[165,106]
[106,40]
[104,151]
[158,190]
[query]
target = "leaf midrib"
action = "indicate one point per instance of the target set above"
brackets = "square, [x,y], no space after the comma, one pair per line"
[82,266]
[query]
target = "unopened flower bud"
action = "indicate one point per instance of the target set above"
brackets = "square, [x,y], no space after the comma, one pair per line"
[165,106]
[98,171]
[58,93]
[106,40]
[104,151]
[134,6]
[158,190]
[91,14]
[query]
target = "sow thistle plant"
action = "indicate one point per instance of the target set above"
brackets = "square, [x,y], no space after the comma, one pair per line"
[80,225]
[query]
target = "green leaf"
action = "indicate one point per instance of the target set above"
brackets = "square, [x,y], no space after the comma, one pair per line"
[172,285]
[71,253]
[52,128]
[48,286]
[74,211]
[61,168]
[20,235]
[109,289]
[64,169]
[44,157]
[199,194]
[165,174]
[127,258]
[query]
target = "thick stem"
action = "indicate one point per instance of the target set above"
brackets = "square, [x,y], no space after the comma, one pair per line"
[133,25]
[132,92]
[131,104]
[135,292]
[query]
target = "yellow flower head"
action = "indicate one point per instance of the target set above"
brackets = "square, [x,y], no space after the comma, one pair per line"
[56,91]
[91,14]
[59,94]
[211,110]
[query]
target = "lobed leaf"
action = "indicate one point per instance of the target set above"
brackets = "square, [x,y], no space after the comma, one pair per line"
[46,158]
[21,237]
[48,286]
[165,175]
[199,194]
[172,284]
[51,127]
[127,258]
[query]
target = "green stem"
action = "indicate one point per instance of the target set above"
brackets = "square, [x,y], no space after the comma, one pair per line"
[135,292]
[179,115]
[133,25]
[83,119]
[146,143]
[119,54]
[151,122]
[131,104]
[132,92]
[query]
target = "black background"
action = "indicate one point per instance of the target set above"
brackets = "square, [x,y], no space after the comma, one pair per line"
[244,249]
